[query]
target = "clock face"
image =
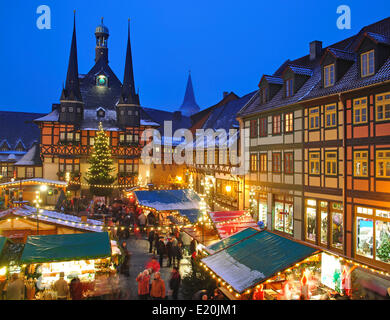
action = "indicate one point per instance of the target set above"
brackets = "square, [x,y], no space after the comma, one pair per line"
[102,81]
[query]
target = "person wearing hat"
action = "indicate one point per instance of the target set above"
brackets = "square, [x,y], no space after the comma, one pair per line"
[157,292]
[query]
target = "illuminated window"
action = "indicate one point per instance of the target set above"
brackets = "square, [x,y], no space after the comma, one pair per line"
[289,87]
[314,162]
[311,220]
[263,162]
[288,162]
[367,62]
[284,212]
[360,163]
[289,122]
[330,116]
[253,162]
[383,163]
[360,111]
[276,121]
[383,107]
[29,172]
[314,118]
[276,162]
[331,163]
[329,76]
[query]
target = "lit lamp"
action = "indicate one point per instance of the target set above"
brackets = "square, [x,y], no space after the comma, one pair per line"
[228,188]
[179,179]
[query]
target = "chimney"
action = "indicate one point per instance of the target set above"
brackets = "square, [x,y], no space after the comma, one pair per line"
[225,93]
[315,49]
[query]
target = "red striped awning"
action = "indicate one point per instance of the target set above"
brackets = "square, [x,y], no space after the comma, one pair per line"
[228,223]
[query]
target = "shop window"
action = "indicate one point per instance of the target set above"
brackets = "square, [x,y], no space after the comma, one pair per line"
[263,127]
[331,163]
[314,162]
[367,63]
[329,75]
[314,118]
[253,128]
[324,222]
[263,162]
[337,227]
[263,208]
[330,116]
[360,163]
[289,122]
[383,163]
[276,162]
[276,124]
[360,111]
[253,163]
[288,162]
[284,212]
[373,233]
[383,107]
[311,220]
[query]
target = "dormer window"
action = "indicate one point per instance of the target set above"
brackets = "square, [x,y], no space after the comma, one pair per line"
[367,62]
[70,109]
[289,87]
[101,81]
[264,95]
[329,75]
[101,113]
[5,146]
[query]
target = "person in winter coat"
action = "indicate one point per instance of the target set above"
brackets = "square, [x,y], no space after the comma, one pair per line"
[15,288]
[151,239]
[142,221]
[170,252]
[143,285]
[156,239]
[161,249]
[151,219]
[75,289]
[174,282]
[193,246]
[179,253]
[157,291]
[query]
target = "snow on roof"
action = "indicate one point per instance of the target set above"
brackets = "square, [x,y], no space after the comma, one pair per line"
[55,217]
[29,158]
[52,116]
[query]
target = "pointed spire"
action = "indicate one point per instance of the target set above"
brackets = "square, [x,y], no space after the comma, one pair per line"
[72,86]
[128,94]
[189,105]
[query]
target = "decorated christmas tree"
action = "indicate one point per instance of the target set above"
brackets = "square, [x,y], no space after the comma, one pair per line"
[101,166]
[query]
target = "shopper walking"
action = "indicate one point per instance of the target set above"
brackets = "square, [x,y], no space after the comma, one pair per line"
[161,249]
[170,252]
[143,285]
[151,239]
[178,253]
[174,282]
[157,291]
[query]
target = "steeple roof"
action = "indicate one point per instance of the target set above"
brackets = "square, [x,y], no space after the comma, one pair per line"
[71,91]
[128,95]
[189,105]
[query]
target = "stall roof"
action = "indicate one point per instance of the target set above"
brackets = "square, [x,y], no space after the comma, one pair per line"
[168,200]
[231,222]
[191,214]
[236,237]
[66,247]
[255,259]
[3,241]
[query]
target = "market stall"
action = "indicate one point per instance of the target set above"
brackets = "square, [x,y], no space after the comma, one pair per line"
[180,207]
[228,223]
[83,255]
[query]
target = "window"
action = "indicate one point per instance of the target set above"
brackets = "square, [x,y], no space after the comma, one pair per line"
[69,136]
[331,163]
[253,162]
[330,116]
[360,163]
[360,111]
[337,226]
[289,122]
[373,233]
[289,87]
[29,172]
[63,109]
[62,136]
[264,95]
[288,162]
[383,107]
[263,127]
[329,75]
[91,141]
[314,118]
[383,163]
[276,124]
[284,212]
[253,128]
[101,113]
[263,162]
[314,163]
[78,110]
[70,109]
[121,137]
[367,61]
[276,162]
[311,220]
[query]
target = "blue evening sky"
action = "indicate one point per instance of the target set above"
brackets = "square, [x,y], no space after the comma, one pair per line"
[228,45]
